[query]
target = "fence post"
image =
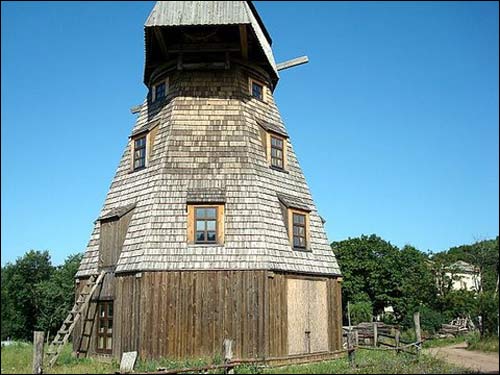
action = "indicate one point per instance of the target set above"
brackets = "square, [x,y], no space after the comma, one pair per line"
[375,333]
[398,336]
[418,334]
[350,348]
[38,352]
[228,355]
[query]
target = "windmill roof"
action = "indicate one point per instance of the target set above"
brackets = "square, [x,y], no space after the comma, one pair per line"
[189,13]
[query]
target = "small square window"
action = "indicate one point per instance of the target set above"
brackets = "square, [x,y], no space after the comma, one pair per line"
[159,90]
[206,224]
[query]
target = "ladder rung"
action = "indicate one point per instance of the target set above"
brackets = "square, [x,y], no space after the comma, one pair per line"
[63,331]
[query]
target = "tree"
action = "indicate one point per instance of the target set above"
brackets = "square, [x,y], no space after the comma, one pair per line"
[19,293]
[55,296]
[369,266]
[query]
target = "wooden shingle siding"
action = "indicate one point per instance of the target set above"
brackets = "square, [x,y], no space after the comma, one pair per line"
[208,138]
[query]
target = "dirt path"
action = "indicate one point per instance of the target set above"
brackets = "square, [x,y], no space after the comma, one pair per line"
[474,360]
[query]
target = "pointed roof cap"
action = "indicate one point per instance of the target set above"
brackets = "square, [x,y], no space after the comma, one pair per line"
[185,13]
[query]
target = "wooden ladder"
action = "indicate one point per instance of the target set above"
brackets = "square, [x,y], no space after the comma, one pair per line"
[68,325]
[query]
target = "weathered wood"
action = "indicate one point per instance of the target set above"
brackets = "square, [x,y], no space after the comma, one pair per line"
[38,352]
[293,62]
[418,334]
[397,339]
[161,41]
[244,41]
[375,334]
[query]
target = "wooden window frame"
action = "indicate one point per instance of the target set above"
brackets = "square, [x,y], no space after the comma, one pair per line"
[153,89]
[134,149]
[205,219]
[291,225]
[219,223]
[106,335]
[270,147]
[282,150]
[251,81]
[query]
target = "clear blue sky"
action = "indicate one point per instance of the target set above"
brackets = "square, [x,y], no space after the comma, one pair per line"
[394,120]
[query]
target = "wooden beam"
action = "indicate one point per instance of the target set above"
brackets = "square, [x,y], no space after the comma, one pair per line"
[244,41]
[161,41]
[291,63]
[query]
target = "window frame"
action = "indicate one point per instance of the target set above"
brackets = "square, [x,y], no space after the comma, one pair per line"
[134,149]
[205,220]
[269,150]
[251,82]
[291,212]
[299,225]
[219,223]
[155,86]
[282,150]
[106,335]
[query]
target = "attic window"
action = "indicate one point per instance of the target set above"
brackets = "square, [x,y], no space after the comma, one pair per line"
[256,89]
[277,152]
[299,231]
[139,152]
[159,90]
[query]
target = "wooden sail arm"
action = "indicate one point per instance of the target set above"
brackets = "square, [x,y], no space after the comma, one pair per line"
[292,63]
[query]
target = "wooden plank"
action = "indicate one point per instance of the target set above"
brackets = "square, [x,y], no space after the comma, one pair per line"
[292,63]
[244,41]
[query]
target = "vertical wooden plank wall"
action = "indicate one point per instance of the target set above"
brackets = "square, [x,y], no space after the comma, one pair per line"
[334,314]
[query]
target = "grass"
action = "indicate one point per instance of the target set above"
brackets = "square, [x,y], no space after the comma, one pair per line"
[17,359]
[374,362]
[434,343]
[485,344]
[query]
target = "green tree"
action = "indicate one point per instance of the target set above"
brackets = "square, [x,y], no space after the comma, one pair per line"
[55,296]
[417,284]
[19,293]
[370,266]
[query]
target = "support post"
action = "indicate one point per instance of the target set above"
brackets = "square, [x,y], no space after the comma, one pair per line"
[418,334]
[398,336]
[350,348]
[38,342]
[375,334]
[228,355]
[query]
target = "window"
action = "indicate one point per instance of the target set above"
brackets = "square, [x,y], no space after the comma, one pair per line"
[159,90]
[105,327]
[206,223]
[277,152]
[299,231]
[139,152]
[257,90]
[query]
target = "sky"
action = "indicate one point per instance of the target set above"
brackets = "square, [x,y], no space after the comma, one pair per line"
[394,120]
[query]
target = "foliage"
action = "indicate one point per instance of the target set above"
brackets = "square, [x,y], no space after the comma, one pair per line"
[484,344]
[488,310]
[35,294]
[361,310]
[430,319]
[19,292]
[369,266]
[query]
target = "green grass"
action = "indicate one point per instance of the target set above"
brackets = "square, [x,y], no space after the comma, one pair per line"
[485,344]
[374,362]
[434,343]
[17,359]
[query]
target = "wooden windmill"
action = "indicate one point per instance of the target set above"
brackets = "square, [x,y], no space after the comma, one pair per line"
[209,231]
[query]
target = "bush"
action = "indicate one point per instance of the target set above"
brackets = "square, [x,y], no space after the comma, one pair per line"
[430,320]
[361,312]
[488,310]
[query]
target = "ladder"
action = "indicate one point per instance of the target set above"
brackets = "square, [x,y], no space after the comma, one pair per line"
[68,325]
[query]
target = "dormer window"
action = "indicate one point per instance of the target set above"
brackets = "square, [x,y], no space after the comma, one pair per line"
[139,152]
[256,89]
[159,90]
[277,152]
[299,230]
